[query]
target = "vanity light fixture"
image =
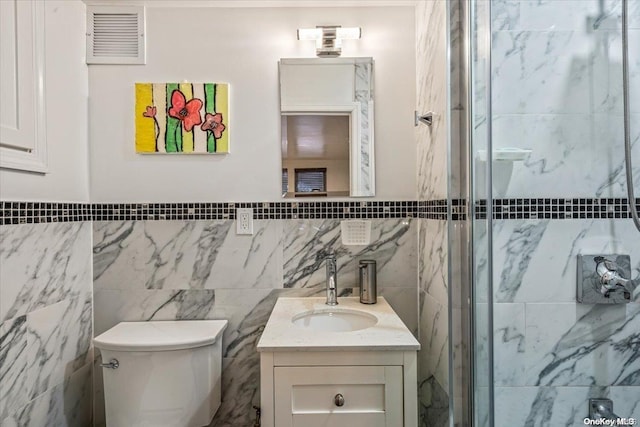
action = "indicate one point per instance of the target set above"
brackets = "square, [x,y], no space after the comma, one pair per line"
[329,38]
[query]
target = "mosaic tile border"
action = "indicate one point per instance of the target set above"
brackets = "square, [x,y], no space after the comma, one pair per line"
[438,209]
[33,212]
[37,212]
[557,208]
[529,208]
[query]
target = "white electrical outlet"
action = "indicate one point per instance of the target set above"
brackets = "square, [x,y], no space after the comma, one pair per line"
[244,221]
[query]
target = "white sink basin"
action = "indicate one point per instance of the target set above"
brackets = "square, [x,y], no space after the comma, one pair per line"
[334,320]
[308,324]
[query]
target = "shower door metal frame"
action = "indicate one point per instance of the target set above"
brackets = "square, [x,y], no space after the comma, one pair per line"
[473,26]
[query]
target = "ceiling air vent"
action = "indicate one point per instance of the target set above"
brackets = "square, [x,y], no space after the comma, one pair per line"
[115,35]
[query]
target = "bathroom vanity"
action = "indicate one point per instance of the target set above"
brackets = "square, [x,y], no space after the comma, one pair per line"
[350,364]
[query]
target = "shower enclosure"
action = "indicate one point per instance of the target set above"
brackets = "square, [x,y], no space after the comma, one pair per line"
[543,180]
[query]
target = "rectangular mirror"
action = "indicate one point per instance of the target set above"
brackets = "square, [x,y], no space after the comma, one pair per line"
[326,108]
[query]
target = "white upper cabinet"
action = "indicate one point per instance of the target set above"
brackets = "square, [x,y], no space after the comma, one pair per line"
[22,104]
[316,82]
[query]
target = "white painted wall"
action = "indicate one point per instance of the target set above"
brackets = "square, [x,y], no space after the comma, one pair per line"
[66,89]
[242,47]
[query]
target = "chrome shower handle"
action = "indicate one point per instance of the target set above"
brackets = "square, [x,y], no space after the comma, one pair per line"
[610,279]
[605,279]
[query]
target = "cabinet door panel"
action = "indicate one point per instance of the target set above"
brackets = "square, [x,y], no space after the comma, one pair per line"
[22,107]
[18,79]
[305,396]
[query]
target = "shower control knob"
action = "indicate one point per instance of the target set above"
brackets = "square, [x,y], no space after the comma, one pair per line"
[339,400]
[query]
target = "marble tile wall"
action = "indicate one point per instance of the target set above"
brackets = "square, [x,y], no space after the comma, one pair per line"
[45,324]
[165,270]
[431,86]
[432,95]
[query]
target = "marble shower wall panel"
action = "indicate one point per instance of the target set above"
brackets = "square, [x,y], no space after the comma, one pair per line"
[46,327]
[561,15]
[542,337]
[524,406]
[546,72]
[557,90]
[574,155]
[509,337]
[432,70]
[560,64]
[186,255]
[566,345]
[535,261]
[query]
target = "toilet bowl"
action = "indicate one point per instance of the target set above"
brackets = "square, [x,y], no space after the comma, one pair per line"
[162,373]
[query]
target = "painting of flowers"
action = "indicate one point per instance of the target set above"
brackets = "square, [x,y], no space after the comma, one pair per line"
[182,118]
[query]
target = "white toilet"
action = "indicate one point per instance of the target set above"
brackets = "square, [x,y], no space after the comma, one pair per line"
[162,374]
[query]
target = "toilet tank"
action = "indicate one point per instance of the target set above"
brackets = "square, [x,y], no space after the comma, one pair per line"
[168,373]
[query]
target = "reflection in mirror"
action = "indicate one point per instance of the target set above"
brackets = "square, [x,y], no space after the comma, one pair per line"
[315,155]
[326,108]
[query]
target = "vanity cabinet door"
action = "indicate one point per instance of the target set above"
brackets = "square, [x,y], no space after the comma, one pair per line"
[309,396]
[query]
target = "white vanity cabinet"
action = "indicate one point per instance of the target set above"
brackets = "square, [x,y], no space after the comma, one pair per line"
[354,389]
[336,379]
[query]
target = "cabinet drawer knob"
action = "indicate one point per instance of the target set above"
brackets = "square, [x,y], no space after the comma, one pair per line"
[339,400]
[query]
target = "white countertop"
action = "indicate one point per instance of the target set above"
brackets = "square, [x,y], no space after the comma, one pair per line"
[389,333]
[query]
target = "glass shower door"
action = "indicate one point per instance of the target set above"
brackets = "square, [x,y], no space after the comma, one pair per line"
[548,184]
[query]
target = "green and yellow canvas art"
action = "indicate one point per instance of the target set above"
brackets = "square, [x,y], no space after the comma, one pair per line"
[182,118]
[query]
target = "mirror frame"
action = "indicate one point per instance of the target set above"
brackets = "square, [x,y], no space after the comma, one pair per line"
[360,111]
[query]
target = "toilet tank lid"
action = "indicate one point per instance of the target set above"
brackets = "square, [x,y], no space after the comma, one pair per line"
[160,335]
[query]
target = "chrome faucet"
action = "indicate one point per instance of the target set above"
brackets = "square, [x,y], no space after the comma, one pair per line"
[332,283]
[610,278]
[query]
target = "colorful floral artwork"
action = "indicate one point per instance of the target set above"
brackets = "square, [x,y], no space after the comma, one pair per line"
[182,118]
